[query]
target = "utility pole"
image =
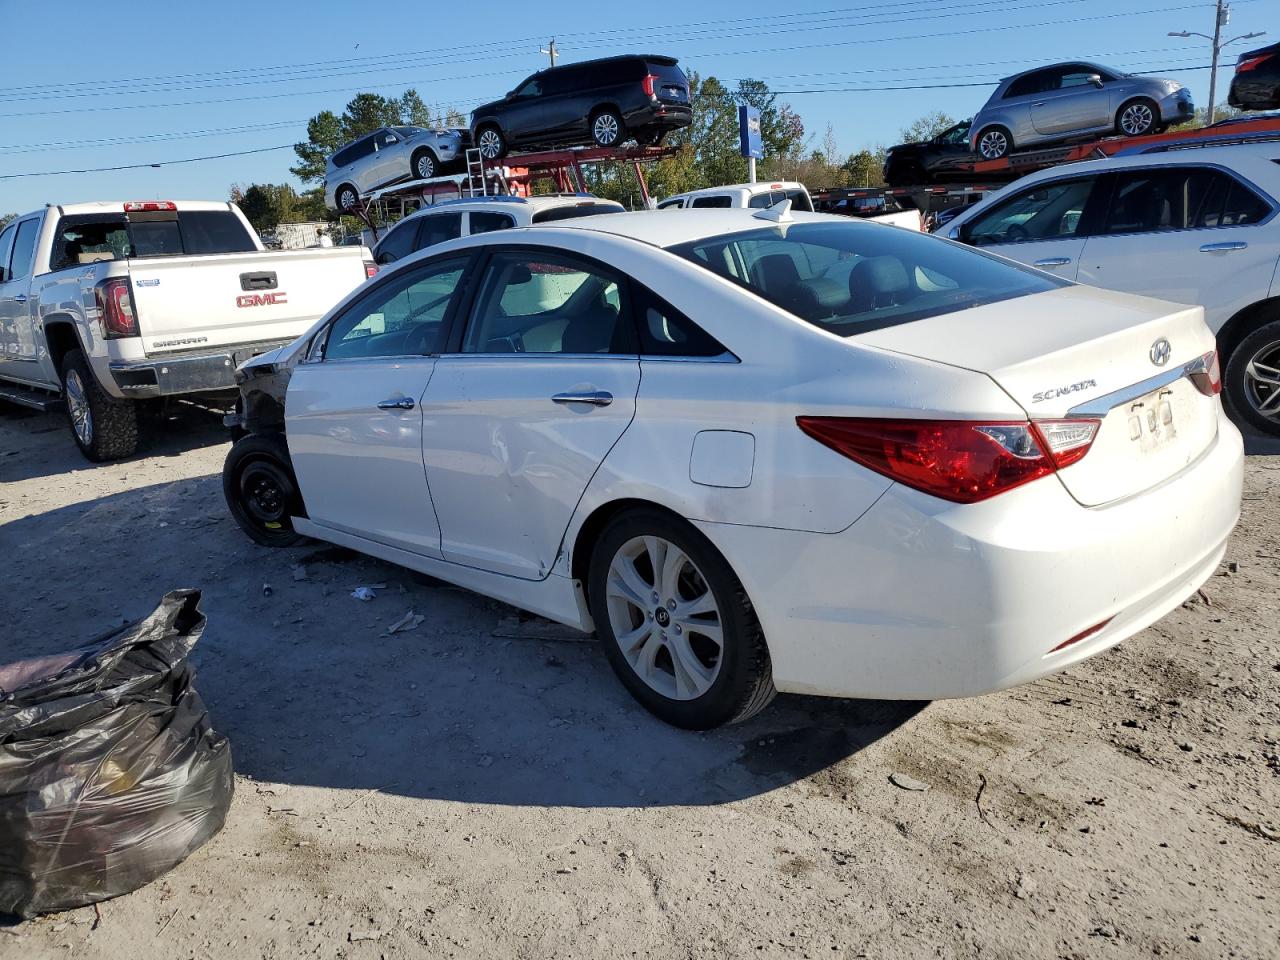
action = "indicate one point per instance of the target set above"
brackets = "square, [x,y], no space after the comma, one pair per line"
[551,50]
[1222,16]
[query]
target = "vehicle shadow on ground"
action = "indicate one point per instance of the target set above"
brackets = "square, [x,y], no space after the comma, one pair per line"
[40,444]
[479,704]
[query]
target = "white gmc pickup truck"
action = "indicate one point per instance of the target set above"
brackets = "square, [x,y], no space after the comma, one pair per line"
[104,305]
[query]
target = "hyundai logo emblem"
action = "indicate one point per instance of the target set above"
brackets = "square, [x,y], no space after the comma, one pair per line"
[1160,351]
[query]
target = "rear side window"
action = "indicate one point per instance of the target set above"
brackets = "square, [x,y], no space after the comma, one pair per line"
[586,209]
[1178,198]
[721,201]
[485,222]
[24,248]
[88,239]
[1026,85]
[438,228]
[1048,212]
[666,332]
[850,277]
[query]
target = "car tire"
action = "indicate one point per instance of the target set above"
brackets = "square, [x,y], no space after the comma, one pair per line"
[994,143]
[1248,388]
[607,128]
[104,427]
[490,142]
[347,198]
[261,490]
[1138,117]
[425,164]
[662,656]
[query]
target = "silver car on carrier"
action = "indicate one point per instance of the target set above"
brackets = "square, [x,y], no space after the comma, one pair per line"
[1067,100]
[389,155]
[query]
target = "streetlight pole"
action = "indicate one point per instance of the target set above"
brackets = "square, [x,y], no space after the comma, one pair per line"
[1222,17]
[551,50]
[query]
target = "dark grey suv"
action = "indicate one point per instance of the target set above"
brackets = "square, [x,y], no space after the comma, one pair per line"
[605,102]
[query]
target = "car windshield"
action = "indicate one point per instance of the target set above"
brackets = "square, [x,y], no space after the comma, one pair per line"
[408,132]
[849,277]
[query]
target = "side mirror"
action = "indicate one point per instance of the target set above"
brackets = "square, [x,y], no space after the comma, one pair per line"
[1095,79]
[385,257]
[963,233]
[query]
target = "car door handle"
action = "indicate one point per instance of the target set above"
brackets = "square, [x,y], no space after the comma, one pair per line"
[397,403]
[1038,103]
[596,398]
[1052,262]
[1222,247]
[20,298]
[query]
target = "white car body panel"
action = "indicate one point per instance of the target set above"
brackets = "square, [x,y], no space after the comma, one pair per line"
[864,587]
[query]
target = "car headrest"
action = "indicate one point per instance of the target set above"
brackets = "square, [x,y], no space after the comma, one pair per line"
[878,282]
[775,272]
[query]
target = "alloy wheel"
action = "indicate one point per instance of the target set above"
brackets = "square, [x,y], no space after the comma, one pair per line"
[665,618]
[426,167]
[490,144]
[78,407]
[1137,119]
[347,199]
[993,145]
[605,129]
[1262,381]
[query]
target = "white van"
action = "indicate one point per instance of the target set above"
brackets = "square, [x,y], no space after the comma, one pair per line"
[738,195]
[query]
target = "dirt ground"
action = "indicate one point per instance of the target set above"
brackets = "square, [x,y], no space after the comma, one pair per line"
[483,787]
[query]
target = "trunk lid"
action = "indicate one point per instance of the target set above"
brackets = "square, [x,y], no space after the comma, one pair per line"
[1083,352]
[188,303]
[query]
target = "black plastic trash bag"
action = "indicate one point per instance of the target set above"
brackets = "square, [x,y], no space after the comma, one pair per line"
[110,774]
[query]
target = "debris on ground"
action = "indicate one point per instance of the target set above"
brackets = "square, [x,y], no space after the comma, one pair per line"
[907,783]
[410,621]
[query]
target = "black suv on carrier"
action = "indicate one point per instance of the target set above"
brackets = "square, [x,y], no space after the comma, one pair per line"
[602,101]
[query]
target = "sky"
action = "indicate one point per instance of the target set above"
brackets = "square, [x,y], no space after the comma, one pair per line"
[146,82]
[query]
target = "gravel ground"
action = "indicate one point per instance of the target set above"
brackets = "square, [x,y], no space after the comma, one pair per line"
[483,787]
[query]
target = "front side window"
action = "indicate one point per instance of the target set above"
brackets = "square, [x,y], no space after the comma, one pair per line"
[399,243]
[1180,198]
[485,222]
[957,135]
[1049,212]
[850,277]
[24,248]
[530,88]
[1027,85]
[401,318]
[546,302]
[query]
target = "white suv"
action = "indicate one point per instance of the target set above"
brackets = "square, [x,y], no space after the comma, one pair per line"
[461,218]
[390,155]
[738,195]
[1193,225]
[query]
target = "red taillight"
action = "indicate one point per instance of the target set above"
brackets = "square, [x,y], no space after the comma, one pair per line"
[963,461]
[370,269]
[115,308]
[1252,63]
[647,84]
[149,206]
[1208,379]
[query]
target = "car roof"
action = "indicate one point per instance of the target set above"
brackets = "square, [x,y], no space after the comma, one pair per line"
[117,206]
[667,228]
[1064,63]
[762,186]
[534,204]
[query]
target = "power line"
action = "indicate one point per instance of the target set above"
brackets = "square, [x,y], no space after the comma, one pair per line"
[146,138]
[929,86]
[138,166]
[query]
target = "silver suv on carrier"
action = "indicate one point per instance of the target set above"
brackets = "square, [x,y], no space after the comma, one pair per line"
[390,155]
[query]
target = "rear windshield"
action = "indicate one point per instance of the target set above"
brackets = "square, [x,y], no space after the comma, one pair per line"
[88,238]
[850,277]
[667,73]
[577,210]
[799,199]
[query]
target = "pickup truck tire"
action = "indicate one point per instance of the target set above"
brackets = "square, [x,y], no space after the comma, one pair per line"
[104,427]
[261,490]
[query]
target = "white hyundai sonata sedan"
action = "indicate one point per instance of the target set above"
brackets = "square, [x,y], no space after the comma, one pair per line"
[758,451]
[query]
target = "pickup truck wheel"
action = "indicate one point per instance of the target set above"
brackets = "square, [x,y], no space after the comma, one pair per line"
[104,427]
[261,490]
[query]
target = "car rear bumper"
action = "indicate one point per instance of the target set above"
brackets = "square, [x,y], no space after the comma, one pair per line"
[923,599]
[180,373]
[661,116]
